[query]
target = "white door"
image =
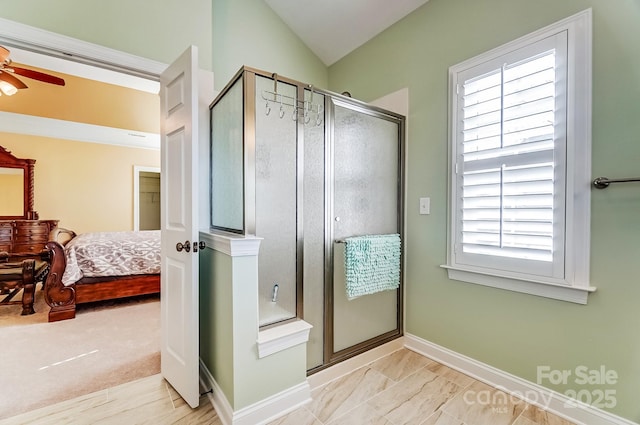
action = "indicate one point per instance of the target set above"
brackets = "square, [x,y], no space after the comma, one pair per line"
[179,224]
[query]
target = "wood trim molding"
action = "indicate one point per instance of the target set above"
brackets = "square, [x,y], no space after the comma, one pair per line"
[57,45]
[233,246]
[70,130]
[217,397]
[281,337]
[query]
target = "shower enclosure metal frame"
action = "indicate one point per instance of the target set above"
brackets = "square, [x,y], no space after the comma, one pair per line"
[332,357]
[247,75]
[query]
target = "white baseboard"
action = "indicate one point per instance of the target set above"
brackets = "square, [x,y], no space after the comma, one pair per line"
[216,397]
[258,413]
[538,395]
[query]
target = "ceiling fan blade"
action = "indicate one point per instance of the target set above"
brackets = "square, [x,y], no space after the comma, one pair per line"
[4,54]
[36,75]
[5,76]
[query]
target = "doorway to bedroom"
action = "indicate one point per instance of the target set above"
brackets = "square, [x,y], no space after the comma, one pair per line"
[105,344]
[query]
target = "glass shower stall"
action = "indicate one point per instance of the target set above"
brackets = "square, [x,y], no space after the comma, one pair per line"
[303,169]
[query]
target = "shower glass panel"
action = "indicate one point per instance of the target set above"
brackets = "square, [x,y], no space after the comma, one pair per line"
[227,204]
[314,228]
[366,201]
[276,202]
[301,168]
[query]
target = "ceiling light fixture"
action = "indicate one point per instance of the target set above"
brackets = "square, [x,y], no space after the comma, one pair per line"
[7,88]
[9,84]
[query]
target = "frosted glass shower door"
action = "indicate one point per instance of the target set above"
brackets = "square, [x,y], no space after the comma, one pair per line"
[366,201]
[276,150]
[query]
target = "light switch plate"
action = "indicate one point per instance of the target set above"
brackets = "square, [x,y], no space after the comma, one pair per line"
[425,206]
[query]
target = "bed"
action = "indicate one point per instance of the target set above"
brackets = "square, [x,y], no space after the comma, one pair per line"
[100,266]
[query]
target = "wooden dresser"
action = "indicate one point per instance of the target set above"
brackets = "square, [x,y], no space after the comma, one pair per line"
[25,235]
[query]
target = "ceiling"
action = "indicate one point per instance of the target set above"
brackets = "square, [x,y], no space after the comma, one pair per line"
[334,28]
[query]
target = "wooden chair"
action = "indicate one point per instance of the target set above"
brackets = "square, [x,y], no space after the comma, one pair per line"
[18,272]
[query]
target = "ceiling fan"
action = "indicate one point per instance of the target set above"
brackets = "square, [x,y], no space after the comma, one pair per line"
[9,84]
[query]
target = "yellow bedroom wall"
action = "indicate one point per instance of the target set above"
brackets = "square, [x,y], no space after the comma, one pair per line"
[87,186]
[11,193]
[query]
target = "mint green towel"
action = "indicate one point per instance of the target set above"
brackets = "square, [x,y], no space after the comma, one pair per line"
[372,264]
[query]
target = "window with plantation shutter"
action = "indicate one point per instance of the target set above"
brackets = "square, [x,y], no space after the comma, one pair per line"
[520,154]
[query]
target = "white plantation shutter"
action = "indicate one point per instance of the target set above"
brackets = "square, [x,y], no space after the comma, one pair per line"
[510,161]
[520,158]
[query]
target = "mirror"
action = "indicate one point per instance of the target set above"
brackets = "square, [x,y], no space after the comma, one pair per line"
[16,187]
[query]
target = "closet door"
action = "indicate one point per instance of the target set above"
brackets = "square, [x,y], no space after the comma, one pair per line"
[366,200]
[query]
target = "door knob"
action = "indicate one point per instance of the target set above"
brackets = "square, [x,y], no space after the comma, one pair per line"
[186,246]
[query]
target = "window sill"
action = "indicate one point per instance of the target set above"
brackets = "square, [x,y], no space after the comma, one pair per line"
[279,338]
[574,294]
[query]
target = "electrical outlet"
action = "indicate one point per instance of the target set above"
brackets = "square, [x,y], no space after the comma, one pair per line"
[425,206]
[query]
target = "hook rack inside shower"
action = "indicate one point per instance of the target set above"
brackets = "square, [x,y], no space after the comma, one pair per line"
[284,100]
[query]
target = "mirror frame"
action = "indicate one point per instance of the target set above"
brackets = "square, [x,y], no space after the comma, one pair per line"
[7,160]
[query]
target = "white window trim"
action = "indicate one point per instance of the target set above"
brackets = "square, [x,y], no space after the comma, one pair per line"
[575,287]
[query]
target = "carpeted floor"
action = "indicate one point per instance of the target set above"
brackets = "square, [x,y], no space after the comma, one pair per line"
[107,344]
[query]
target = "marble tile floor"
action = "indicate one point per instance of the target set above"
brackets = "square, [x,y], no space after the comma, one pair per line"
[401,388]
[149,400]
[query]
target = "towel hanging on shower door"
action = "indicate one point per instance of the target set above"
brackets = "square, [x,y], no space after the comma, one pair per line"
[372,264]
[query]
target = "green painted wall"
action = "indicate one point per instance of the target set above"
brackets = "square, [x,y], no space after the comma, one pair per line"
[256,379]
[229,331]
[216,318]
[159,31]
[516,332]
[248,32]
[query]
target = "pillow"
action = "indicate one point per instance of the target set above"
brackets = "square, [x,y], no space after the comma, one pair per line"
[61,235]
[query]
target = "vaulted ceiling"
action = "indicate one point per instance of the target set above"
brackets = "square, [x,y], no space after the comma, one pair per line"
[334,28]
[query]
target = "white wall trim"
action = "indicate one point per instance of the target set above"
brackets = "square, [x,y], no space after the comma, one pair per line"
[259,413]
[232,245]
[90,72]
[19,35]
[281,337]
[216,397]
[574,294]
[70,130]
[538,395]
[274,407]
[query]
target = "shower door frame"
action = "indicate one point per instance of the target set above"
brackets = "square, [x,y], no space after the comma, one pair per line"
[330,356]
[248,77]
[247,74]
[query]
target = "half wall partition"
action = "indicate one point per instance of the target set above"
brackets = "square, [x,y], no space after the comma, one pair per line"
[304,168]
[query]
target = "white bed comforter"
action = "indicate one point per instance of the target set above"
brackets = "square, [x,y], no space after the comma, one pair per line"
[112,254]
